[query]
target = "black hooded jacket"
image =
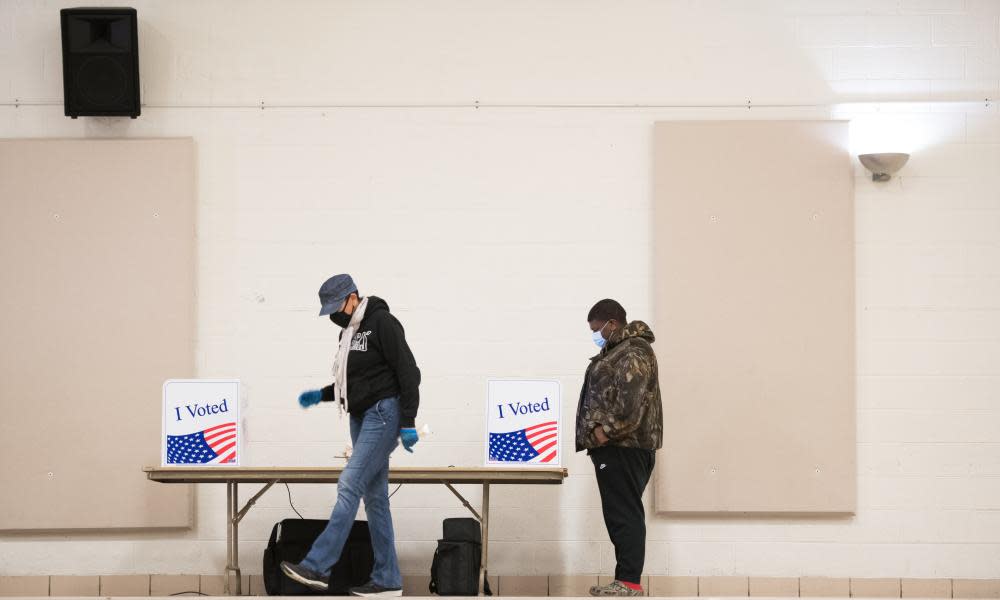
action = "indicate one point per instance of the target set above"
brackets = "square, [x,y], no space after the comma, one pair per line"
[380,365]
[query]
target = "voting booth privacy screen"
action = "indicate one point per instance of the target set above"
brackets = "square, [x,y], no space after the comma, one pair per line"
[201,424]
[523,423]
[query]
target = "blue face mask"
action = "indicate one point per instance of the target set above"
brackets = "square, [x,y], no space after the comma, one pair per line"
[598,337]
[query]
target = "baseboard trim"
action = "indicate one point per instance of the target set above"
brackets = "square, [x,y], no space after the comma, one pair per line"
[667,586]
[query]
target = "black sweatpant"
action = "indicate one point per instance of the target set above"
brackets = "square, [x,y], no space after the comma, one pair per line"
[622,475]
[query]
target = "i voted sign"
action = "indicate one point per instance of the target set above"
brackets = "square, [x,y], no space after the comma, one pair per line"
[522,423]
[201,424]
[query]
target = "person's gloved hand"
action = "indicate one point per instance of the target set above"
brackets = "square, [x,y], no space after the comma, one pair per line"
[409,438]
[307,399]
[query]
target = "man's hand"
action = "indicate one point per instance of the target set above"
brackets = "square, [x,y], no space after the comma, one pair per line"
[409,438]
[307,399]
[602,438]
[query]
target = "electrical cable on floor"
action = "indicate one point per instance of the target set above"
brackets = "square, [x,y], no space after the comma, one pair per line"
[291,503]
[183,593]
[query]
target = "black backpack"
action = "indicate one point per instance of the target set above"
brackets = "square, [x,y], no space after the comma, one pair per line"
[291,539]
[455,568]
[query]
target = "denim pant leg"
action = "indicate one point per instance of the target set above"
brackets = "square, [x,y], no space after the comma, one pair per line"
[374,440]
[386,570]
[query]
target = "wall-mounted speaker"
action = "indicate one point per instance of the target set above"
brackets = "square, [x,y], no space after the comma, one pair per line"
[100,48]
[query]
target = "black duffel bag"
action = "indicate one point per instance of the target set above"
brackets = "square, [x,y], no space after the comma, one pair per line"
[455,568]
[291,539]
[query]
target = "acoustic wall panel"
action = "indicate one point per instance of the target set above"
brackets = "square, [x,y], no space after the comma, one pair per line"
[97,249]
[755,317]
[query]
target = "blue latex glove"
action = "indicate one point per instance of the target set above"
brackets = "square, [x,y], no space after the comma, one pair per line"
[409,438]
[307,399]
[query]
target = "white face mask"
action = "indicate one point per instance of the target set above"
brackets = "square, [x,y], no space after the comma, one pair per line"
[598,337]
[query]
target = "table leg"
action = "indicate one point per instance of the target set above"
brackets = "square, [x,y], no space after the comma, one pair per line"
[232,541]
[483,570]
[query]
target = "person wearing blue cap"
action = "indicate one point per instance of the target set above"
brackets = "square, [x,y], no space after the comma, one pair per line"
[375,380]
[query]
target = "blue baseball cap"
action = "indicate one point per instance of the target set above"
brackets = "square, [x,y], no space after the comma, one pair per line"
[333,291]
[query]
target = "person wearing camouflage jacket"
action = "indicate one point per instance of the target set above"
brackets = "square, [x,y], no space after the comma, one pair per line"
[619,422]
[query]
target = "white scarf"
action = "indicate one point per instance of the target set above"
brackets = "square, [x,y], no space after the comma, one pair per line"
[340,359]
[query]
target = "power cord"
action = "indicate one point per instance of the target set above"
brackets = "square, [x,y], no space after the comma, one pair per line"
[291,503]
[395,490]
[183,593]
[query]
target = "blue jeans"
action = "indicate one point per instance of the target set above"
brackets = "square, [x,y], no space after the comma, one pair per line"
[366,475]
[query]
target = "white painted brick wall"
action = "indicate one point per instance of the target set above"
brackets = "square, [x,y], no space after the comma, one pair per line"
[492,230]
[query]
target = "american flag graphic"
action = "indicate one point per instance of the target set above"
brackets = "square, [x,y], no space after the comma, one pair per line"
[532,444]
[213,445]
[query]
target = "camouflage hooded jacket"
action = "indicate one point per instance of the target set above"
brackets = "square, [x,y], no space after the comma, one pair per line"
[621,392]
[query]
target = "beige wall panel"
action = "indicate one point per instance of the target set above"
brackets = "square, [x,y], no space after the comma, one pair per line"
[524,585]
[28,585]
[875,588]
[571,585]
[774,587]
[169,585]
[125,585]
[819,587]
[976,588]
[755,316]
[925,588]
[724,586]
[416,585]
[97,248]
[673,586]
[74,585]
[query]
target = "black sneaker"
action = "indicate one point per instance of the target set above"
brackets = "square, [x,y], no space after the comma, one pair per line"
[371,590]
[306,577]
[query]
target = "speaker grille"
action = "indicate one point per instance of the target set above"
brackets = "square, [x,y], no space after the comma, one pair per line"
[102,81]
